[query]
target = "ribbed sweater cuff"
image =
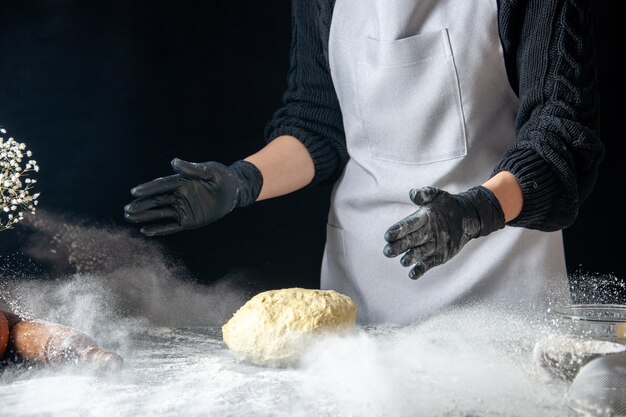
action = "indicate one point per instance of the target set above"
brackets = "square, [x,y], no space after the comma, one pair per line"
[539,186]
[325,158]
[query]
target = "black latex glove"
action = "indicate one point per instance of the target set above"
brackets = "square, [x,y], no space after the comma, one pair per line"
[198,194]
[441,226]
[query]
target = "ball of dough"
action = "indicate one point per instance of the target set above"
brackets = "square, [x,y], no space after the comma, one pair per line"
[274,327]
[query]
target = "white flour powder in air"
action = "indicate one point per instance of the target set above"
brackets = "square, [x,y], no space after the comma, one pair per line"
[464,362]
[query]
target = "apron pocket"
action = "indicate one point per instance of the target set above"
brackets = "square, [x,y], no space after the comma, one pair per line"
[409,99]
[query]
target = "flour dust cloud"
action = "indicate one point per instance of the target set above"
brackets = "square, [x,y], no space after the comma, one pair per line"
[123,291]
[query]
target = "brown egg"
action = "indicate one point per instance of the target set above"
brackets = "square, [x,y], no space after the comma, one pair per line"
[4,333]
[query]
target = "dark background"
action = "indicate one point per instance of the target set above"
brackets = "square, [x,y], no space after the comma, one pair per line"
[106,93]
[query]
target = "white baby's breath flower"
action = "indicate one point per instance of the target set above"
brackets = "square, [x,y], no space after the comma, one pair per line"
[15,182]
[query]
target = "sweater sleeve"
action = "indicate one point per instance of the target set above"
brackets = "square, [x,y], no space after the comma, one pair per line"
[550,62]
[310,110]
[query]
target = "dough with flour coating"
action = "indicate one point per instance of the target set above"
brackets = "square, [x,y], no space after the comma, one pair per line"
[274,327]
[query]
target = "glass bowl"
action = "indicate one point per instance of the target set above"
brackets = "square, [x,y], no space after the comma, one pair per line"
[596,321]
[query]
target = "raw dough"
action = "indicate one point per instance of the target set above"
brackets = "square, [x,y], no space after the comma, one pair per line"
[274,327]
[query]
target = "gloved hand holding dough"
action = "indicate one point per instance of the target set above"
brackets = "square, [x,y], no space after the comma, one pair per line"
[275,327]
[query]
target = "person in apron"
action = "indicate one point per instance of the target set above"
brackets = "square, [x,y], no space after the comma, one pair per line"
[439,122]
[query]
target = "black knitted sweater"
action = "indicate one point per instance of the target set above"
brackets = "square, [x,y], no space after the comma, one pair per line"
[548,54]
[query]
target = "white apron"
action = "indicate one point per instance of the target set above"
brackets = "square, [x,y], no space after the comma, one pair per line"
[425,101]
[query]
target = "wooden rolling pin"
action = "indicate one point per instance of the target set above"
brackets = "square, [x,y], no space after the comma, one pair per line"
[4,334]
[45,342]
